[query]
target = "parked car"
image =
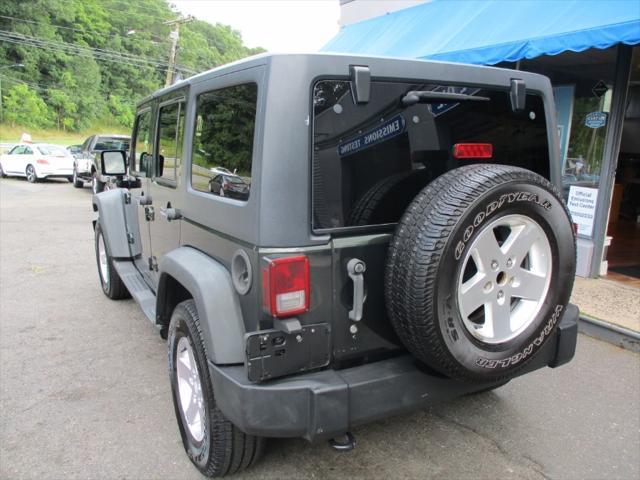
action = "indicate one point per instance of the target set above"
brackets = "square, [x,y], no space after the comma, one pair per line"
[36,161]
[86,167]
[229,185]
[403,243]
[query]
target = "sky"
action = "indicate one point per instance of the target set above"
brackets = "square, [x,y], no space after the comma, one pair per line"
[295,26]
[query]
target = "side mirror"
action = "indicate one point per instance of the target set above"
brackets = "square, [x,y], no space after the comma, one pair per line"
[114,162]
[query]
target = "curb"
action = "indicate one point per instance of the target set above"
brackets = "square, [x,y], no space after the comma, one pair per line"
[608,332]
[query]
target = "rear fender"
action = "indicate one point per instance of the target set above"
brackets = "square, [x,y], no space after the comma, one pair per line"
[209,284]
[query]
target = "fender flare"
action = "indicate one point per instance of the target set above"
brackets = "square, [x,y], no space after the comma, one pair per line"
[111,215]
[210,285]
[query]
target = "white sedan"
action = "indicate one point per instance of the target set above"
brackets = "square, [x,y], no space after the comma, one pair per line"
[37,160]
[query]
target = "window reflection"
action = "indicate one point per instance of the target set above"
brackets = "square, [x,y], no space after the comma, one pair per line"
[223,141]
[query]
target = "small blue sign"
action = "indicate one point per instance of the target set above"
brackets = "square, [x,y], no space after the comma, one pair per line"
[381,133]
[595,119]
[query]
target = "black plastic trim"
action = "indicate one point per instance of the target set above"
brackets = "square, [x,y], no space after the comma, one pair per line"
[327,403]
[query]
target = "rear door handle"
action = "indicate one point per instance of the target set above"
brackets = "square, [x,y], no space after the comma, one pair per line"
[355,270]
[144,200]
[170,214]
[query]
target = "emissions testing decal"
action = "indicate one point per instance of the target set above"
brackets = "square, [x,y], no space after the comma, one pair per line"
[383,132]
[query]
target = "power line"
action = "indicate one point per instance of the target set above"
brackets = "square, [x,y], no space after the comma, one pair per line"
[33,22]
[97,53]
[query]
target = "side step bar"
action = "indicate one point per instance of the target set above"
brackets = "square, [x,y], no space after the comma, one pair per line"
[137,287]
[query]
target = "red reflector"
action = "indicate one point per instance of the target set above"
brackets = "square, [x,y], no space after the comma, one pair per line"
[473,150]
[286,286]
[42,161]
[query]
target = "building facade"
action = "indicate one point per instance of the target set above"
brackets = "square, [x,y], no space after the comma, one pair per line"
[594,66]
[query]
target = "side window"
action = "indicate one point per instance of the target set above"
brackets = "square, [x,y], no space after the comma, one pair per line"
[142,149]
[17,150]
[27,151]
[223,141]
[170,136]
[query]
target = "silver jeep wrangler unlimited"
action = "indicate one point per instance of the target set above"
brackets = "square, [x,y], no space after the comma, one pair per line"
[327,240]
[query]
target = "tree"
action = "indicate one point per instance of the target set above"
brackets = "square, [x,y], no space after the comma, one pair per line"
[115,69]
[23,106]
[64,107]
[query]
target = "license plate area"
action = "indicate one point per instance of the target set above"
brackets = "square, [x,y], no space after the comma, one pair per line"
[274,353]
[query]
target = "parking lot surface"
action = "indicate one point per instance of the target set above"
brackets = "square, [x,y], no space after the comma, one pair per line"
[84,389]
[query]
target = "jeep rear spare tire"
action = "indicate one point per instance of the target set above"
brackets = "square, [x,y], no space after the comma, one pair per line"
[480,270]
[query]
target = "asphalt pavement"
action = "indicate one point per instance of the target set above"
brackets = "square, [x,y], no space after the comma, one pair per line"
[84,388]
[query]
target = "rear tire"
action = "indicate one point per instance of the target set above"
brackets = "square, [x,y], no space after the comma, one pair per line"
[77,182]
[30,172]
[110,281]
[213,444]
[480,270]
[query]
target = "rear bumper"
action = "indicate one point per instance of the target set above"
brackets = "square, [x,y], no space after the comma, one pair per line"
[327,403]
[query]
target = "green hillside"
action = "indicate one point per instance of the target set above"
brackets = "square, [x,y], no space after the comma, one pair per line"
[89,61]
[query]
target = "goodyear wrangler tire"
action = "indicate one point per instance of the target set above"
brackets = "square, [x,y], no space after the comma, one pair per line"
[480,270]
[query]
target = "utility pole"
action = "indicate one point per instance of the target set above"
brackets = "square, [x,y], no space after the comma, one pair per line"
[174,36]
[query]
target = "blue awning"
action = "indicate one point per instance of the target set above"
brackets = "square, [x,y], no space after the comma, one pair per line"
[493,31]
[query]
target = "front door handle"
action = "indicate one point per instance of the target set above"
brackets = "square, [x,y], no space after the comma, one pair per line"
[355,270]
[170,214]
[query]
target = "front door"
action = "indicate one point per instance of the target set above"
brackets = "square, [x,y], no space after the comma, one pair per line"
[141,166]
[165,228]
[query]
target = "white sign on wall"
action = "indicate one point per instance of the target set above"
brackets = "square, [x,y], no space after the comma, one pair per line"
[582,205]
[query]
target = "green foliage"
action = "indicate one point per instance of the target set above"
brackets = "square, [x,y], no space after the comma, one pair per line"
[25,107]
[83,88]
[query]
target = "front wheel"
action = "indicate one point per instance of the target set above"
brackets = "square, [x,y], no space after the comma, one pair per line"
[112,285]
[2,174]
[214,445]
[32,176]
[96,185]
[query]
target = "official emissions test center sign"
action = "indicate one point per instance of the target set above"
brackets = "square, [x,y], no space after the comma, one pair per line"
[582,205]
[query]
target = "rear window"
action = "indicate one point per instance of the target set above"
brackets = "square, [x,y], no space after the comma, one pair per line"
[111,143]
[52,150]
[370,160]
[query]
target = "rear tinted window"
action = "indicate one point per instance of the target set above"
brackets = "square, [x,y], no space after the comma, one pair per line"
[370,160]
[52,150]
[111,143]
[223,140]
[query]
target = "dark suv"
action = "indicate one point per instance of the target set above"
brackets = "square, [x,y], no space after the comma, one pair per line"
[399,240]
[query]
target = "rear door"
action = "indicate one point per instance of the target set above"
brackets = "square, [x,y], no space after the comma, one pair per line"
[165,227]
[371,160]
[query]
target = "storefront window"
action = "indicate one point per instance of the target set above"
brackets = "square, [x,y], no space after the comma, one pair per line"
[583,163]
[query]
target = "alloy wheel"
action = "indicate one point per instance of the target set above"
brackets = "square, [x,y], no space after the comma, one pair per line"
[504,279]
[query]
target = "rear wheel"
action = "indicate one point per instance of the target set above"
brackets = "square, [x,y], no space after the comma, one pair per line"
[112,285]
[214,445]
[30,172]
[77,181]
[480,270]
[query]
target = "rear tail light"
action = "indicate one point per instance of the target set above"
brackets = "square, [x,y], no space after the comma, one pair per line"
[286,286]
[42,161]
[473,150]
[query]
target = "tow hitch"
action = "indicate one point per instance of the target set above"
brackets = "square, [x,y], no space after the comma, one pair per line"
[343,443]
